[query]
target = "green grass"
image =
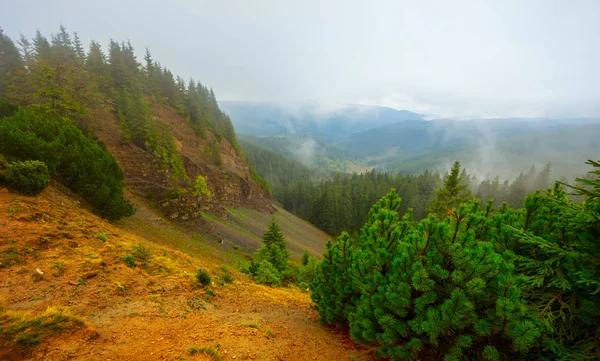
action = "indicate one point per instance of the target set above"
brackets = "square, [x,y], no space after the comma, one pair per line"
[269,333]
[102,236]
[30,331]
[205,350]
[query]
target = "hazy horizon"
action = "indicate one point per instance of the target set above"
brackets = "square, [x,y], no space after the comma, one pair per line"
[464,59]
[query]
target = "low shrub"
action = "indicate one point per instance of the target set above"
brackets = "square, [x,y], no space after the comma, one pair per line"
[30,177]
[266,273]
[129,260]
[203,277]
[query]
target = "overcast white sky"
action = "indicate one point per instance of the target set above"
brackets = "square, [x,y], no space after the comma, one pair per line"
[441,58]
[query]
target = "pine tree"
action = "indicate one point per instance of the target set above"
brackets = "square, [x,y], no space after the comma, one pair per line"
[78,49]
[558,247]
[274,248]
[41,48]
[10,63]
[452,194]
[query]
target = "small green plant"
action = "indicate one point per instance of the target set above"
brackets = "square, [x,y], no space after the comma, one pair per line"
[129,260]
[10,257]
[141,252]
[120,287]
[102,236]
[175,193]
[207,351]
[226,276]
[268,331]
[30,177]
[203,277]
[196,303]
[201,188]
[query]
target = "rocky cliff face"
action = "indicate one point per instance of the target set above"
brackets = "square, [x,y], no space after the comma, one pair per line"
[227,173]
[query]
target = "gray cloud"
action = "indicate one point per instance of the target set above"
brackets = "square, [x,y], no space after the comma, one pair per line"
[442,58]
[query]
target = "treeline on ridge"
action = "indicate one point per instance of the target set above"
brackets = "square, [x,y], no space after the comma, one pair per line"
[337,202]
[58,77]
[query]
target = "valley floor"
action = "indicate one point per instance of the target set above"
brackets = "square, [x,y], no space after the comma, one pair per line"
[53,253]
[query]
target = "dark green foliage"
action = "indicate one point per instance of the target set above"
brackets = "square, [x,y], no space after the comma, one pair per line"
[274,248]
[78,161]
[266,273]
[342,202]
[270,263]
[478,284]
[430,289]
[203,278]
[305,258]
[559,248]
[129,260]
[30,177]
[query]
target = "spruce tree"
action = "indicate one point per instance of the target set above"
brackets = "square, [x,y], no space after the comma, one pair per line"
[274,248]
[452,194]
[10,63]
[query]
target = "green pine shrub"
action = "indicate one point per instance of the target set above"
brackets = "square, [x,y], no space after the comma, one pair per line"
[30,177]
[129,260]
[203,277]
[270,263]
[79,162]
[434,289]
[558,248]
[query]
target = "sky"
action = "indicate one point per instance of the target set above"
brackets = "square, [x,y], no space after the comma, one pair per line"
[460,59]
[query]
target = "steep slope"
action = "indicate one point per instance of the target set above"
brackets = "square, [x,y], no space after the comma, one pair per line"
[229,179]
[56,255]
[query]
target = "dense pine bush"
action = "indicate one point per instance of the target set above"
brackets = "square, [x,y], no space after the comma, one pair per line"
[29,177]
[76,160]
[478,284]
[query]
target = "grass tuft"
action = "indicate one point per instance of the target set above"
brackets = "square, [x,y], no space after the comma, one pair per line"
[26,330]
[205,350]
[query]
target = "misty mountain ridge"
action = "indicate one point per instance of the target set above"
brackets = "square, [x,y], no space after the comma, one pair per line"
[355,137]
[324,122]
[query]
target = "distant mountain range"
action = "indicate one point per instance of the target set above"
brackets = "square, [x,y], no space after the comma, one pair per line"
[399,140]
[328,124]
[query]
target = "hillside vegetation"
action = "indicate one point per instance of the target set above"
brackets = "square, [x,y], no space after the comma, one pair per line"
[163,132]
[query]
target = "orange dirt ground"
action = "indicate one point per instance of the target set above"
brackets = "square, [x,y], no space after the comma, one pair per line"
[150,312]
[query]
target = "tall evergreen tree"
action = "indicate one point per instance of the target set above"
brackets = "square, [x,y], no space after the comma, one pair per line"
[274,248]
[10,63]
[452,194]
